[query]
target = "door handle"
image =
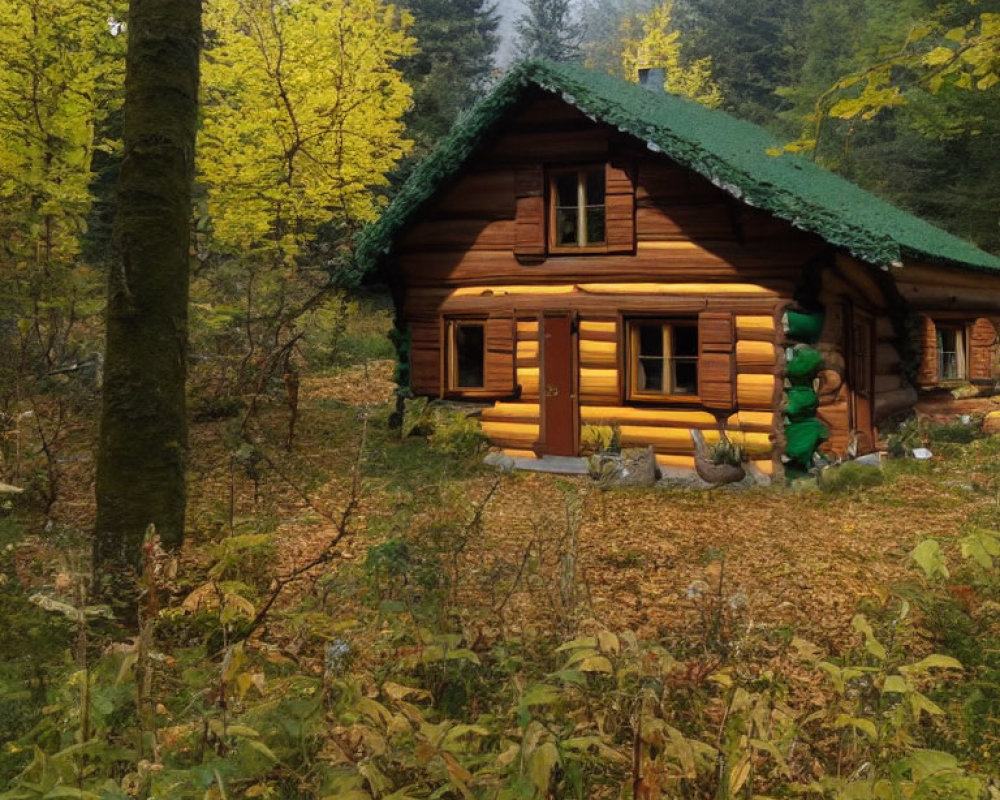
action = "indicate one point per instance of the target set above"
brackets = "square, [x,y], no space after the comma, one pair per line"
[551,391]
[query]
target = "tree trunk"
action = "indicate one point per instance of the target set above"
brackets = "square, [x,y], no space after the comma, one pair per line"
[143,440]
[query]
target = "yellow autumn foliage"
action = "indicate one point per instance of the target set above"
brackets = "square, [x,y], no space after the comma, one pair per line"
[303,110]
[650,40]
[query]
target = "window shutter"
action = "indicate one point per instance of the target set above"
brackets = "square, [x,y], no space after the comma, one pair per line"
[716,360]
[529,194]
[982,338]
[500,354]
[620,207]
[928,372]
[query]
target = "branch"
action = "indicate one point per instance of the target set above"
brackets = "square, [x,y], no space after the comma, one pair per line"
[329,552]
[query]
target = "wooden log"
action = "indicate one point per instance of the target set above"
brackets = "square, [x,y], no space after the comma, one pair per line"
[761,421]
[599,330]
[598,355]
[479,194]
[936,299]
[512,412]
[463,234]
[665,461]
[627,415]
[837,419]
[766,466]
[755,327]
[710,221]
[527,329]
[679,261]
[527,350]
[527,379]
[754,391]
[753,443]
[511,434]
[598,384]
[888,383]
[512,452]
[859,275]
[678,440]
[917,273]
[755,354]
[894,402]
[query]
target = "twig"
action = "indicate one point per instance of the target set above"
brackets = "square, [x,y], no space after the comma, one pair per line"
[329,552]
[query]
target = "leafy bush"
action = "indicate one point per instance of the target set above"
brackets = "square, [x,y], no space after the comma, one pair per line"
[849,477]
[957,432]
[457,434]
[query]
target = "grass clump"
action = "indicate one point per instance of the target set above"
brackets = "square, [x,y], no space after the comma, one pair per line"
[849,477]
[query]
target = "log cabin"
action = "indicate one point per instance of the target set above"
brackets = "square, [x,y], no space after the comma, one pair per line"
[585,254]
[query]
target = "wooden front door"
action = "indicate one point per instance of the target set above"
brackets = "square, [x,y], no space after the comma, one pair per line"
[861,378]
[557,392]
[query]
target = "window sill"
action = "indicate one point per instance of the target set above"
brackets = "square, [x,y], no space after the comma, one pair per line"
[664,399]
[591,250]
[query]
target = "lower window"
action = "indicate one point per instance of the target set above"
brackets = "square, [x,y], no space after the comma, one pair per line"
[951,354]
[466,354]
[662,359]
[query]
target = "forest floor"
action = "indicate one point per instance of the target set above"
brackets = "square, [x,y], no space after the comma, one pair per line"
[424,555]
[801,559]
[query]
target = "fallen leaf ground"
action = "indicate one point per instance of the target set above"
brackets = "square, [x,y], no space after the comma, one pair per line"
[797,560]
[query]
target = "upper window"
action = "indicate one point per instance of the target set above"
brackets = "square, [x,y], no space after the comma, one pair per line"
[662,359]
[951,354]
[578,216]
[466,355]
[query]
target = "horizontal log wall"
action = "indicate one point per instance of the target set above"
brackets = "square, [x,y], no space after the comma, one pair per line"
[515,425]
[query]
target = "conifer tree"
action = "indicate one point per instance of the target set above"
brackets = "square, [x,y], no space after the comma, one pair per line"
[456,44]
[547,30]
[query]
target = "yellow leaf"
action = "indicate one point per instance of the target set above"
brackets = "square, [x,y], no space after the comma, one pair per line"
[596,664]
[608,642]
[739,774]
[938,56]
[540,765]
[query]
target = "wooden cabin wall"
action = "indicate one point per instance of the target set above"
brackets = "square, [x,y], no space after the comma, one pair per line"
[695,250]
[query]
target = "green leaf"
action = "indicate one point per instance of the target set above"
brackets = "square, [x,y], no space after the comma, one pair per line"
[540,694]
[934,661]
[895,684]
[925,763]
[928,556]
[866,726]
[588,642]
[920,702]
[262,748]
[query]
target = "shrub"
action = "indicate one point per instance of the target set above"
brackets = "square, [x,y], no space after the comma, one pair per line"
[850,476]
[457,434]
[957,432]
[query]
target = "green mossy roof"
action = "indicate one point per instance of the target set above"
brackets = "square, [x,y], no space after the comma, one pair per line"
[729,152]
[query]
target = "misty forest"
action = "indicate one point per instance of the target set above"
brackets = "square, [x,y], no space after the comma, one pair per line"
[278,513]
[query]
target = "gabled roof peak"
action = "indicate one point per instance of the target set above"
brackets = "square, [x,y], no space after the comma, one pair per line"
[730,152]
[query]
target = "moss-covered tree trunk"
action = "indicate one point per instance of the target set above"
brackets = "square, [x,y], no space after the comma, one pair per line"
[143,440]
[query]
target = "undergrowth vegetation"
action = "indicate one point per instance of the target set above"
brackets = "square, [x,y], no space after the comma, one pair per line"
[370,658]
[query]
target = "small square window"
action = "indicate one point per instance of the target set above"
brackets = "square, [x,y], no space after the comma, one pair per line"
[466,355]
[662,359]
[578,216]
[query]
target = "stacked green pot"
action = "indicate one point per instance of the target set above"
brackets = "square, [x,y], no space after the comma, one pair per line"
[804,433]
